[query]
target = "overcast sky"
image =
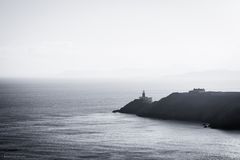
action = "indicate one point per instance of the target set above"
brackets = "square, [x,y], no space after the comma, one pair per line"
[117,38]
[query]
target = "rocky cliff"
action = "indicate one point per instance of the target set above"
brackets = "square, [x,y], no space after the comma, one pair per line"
[218,109]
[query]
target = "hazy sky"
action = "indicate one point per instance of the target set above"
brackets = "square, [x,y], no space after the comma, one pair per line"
[117,38]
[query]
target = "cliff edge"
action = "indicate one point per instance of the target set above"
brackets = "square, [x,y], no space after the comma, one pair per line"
[218,109]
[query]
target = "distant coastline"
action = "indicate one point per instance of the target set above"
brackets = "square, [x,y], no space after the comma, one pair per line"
[214,109]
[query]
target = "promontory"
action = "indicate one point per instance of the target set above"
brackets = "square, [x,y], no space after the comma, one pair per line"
[217,109]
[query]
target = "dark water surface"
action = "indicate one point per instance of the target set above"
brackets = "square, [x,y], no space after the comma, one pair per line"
[74,121]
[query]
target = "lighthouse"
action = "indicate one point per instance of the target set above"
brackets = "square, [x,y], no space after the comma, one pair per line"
[144,98]
[143,93]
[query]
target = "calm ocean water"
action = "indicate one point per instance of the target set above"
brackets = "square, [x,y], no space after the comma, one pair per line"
[57,120]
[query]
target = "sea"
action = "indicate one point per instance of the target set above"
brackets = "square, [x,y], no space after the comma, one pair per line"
[58,120]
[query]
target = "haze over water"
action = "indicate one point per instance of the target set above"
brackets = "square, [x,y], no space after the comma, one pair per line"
[64,120]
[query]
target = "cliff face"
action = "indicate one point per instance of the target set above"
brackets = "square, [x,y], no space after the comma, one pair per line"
[219,109]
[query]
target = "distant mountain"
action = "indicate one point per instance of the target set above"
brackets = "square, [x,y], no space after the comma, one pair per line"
[211,75]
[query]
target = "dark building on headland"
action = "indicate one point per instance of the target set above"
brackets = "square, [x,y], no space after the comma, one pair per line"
[197,90]
[145,99]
